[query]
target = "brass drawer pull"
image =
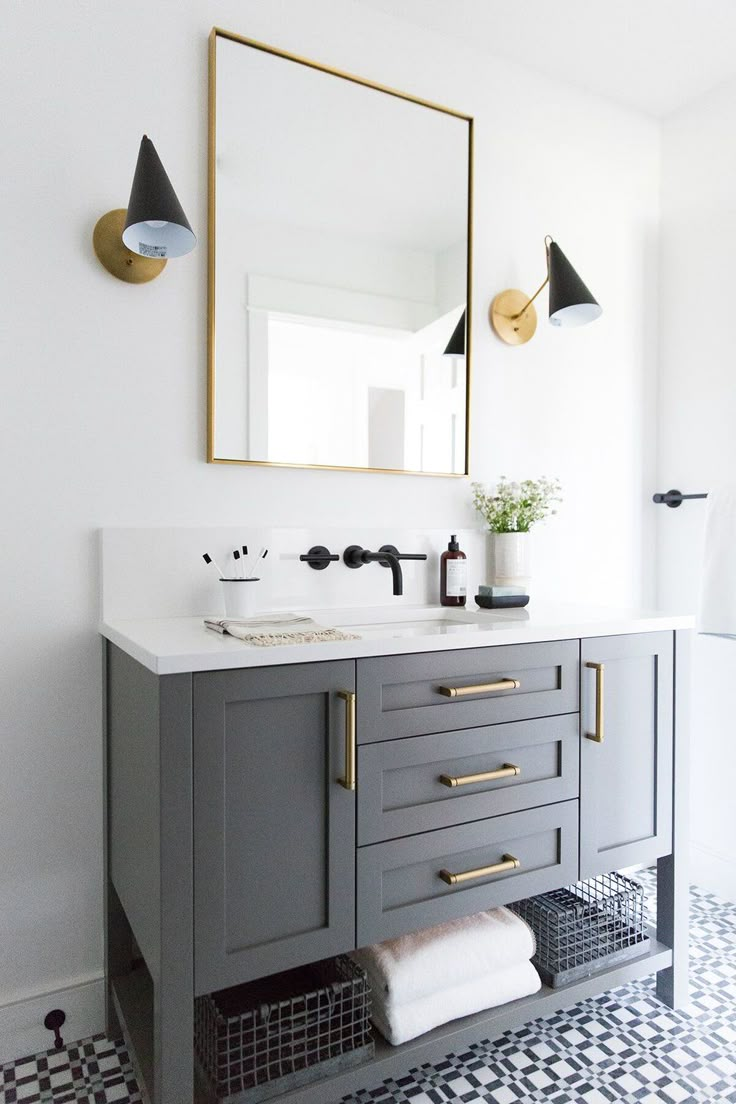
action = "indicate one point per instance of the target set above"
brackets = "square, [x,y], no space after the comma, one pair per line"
[509,863]
[483,688]
[349,780]
[597,736]
[508,770]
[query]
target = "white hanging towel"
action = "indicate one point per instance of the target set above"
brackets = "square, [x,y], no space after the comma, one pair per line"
[717,613]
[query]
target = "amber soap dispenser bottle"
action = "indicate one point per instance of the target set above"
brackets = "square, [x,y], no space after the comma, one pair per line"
[453,575]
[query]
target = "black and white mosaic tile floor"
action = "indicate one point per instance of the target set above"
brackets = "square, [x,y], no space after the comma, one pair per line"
[621,1047]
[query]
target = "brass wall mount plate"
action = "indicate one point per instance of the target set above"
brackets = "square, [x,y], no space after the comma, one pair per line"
[507,304]
[107,240]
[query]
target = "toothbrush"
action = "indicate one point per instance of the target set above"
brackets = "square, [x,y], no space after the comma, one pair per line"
[247,565]
[261,556]
[238,565]
[209,560]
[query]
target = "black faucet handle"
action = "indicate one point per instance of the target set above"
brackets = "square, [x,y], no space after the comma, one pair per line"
[318,557]
[393,550]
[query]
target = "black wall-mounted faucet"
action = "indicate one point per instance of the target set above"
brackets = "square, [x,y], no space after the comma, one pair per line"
[387,556]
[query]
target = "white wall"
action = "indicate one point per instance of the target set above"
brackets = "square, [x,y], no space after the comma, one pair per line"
[697,441]
[104,383]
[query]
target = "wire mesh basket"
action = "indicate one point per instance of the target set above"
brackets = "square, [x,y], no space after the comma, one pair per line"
[586,927]
[268,1036]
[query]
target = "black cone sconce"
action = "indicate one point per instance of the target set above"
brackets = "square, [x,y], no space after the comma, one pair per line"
[134,245]
[456,344]
[512,313]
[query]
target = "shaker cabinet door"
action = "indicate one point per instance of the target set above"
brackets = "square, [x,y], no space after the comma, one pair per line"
[274,829]
[625,778]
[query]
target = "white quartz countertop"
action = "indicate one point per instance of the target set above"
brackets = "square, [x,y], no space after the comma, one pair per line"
[180,644]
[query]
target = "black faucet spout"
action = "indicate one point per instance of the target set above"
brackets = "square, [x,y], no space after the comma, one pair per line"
[390,559]
[387,555]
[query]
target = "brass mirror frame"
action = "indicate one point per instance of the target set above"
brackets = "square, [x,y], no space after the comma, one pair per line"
[218,32]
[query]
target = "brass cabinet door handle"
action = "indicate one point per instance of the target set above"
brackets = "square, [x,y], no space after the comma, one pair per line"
[597,736]
[482,688]
[508,770]
[508,863]
[349,781]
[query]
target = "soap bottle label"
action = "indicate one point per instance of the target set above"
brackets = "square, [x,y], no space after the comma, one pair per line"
[457,578]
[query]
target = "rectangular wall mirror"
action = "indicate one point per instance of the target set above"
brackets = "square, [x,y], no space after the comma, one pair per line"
[339,268]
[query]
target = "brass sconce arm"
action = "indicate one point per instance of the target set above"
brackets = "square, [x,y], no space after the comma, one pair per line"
[530,301]
[541,287]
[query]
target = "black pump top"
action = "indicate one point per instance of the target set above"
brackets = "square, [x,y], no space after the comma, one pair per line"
[453,546]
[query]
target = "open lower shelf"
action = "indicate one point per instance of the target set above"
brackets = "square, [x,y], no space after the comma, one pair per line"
[133,1000]
[390,1060]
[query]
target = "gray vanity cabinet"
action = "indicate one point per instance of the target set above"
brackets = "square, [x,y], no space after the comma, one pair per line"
[274,830]
[234,851]
[625,779]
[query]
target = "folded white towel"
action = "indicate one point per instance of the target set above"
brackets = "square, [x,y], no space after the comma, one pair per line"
[267,621]
[427,961]
[273,629]
[399,1023]
[717,612]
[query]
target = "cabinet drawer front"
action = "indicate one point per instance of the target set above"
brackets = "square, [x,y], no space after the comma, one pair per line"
[410,695]
[401,791]
[400,888]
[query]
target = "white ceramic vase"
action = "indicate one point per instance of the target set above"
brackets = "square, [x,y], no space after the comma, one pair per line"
[510,558]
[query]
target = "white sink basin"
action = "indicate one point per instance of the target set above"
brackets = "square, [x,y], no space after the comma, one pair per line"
[392,615]
[405,621]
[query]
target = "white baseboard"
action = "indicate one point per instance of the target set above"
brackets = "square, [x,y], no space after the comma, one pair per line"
[713,872]
[21,1022]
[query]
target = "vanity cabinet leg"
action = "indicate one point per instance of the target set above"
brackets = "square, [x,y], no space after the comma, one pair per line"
[672,925]
[173,984]
[149,911]
[672,871]
[118,938]
[118,954]
[173,1036]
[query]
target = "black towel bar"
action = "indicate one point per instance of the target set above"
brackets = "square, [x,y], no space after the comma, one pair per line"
[674,498]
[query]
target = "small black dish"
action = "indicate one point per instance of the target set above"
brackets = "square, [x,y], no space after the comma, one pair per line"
[502,601]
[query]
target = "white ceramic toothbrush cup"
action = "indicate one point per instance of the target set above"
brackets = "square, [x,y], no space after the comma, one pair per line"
[240,597]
